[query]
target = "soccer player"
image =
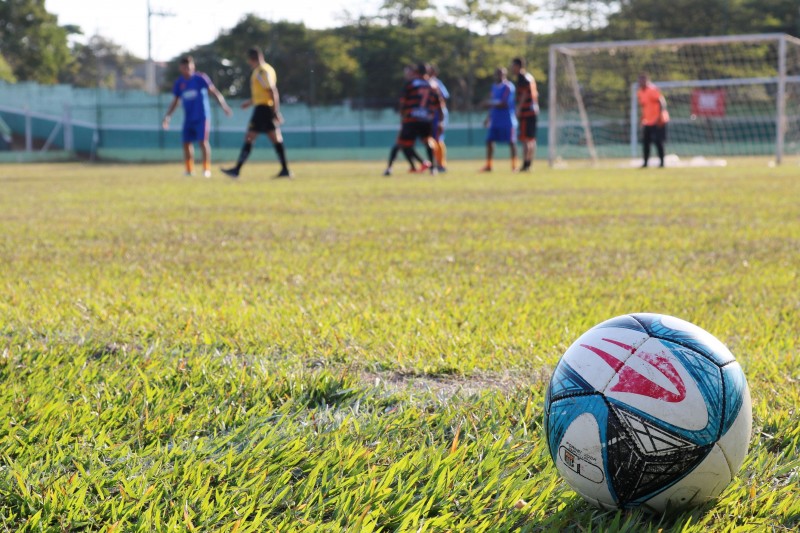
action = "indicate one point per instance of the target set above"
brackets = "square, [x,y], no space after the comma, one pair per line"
[192,88]
[654,118]
[527,111]
[439,121]
[501,121]
[266,116]
[418,106]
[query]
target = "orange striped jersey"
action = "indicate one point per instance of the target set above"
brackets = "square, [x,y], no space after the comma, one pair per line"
[420,101]
[527,95]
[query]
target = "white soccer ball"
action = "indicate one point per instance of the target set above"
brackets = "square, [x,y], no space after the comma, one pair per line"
[648,410]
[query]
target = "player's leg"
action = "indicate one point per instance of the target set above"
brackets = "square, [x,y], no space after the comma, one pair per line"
[512,144]
[513,148]
[646,140]
[188,158]
[660,137]
[277,141]
[425,133]
[188,137]
[205,148]
[244,153]
[413,157]
[442,153]
[256,125]
[392,157]
[527,137]
[489,155]
[405,142]
[442,146]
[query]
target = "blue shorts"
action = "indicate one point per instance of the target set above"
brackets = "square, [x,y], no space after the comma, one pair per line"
[505,134]
[195,131]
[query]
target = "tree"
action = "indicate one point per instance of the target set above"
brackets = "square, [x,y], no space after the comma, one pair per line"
[584,14]
[492,16]
[316,67]
[403,13]
[6,74]
[103,63]
[32,42]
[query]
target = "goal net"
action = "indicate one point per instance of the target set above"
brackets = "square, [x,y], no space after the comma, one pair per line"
[726,96]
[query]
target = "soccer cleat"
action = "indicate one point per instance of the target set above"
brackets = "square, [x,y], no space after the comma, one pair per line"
[206,173]
[230,172]
[487,168]
[426,165]
[441,169]
[387,172]
[285,173]
[188,174]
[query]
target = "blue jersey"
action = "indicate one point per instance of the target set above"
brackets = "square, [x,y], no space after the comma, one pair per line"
[502,113]
[194,95]
[442,89]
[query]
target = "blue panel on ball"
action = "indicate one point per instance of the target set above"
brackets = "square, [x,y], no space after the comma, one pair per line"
[706,375]
[654,325]
[562,414]
[735,385]
[624,321]
[567,382]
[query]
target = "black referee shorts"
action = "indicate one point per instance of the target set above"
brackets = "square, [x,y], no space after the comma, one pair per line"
[263,119]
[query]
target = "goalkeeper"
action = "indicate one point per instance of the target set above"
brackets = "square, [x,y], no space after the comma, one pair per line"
[654,118]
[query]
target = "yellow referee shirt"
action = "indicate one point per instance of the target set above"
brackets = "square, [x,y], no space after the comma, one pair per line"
[264,73]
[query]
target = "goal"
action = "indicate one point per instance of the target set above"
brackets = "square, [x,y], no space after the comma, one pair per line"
[727,96]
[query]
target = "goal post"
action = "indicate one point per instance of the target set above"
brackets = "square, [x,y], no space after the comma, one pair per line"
[729,95]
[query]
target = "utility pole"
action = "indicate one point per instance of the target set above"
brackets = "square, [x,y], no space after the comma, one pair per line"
[150,70]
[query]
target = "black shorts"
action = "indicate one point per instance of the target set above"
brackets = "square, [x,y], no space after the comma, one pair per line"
[411,131]
[527,129]
[263,119]
[656,134]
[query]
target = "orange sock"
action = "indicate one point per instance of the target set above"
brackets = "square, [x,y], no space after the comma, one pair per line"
[443,154]
[206,166]
[437,153]
[189,166]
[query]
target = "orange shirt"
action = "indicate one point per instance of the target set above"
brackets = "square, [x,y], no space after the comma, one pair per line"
[650,100]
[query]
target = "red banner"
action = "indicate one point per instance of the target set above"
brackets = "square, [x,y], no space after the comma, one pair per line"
[708,102]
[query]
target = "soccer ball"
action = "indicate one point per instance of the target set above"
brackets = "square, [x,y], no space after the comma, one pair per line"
[647,410]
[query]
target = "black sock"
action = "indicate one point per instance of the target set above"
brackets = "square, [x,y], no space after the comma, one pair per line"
[281,154]
[411,155]
[243,155]
[392,155]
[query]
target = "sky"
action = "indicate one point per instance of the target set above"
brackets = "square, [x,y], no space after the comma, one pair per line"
[194,22]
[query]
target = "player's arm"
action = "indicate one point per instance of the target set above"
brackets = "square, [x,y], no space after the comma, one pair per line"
[220,99]
[276,104]
[170,110]
[663,116]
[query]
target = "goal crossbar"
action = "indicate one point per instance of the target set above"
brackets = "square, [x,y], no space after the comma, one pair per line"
[780,41]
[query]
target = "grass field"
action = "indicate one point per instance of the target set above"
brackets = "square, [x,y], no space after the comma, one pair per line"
[348,352]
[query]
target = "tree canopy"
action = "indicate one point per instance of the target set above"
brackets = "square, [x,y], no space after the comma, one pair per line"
[362,60]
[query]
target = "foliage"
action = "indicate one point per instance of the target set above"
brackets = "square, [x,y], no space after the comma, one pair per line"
[32,42]
[346,352]
[404,12]
[6,74]
[103,63]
